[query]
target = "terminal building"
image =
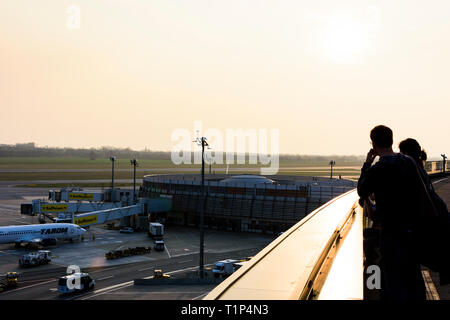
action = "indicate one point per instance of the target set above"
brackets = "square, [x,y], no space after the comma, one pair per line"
[248,203]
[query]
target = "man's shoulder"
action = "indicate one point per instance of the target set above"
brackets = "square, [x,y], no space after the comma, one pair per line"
[393,162]
[396,159]
[398,165]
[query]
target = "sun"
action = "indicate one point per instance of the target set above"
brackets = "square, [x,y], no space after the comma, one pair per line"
[344,40]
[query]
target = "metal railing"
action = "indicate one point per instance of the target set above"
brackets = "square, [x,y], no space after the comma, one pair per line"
[436,166]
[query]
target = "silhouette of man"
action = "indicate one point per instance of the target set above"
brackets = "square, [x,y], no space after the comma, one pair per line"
[394,182]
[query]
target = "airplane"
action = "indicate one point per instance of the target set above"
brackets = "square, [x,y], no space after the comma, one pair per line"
[45,234]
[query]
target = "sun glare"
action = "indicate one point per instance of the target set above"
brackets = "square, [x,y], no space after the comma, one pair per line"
[344,40]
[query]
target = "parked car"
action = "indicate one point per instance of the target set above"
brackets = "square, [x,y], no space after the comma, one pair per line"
[126,230]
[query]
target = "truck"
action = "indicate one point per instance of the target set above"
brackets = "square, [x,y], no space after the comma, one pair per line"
[156,230]
[158,245]
[79,281]
[115,254]
[35,258]
[10,280]
[158,274]
[224,268]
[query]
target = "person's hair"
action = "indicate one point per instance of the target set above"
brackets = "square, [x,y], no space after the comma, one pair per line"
[423,155]
[381,136]
[412,148]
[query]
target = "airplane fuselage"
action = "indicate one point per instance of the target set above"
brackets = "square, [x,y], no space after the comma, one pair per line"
[39,232]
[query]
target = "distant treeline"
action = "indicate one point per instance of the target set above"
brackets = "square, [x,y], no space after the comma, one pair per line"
[30,150]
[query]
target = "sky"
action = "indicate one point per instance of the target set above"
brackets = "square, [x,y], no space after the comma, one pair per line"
[129,73]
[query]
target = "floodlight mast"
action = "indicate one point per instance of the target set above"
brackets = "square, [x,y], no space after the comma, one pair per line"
[202,142]
[332,163]
[443,162]
[135,164]
[113,159]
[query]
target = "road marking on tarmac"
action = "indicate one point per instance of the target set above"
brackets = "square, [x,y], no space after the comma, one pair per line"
[204,294]
[185,254]
[440,180]
[145,269]
[58,264]
[33,285]
[127,284]
[109,289]
[167,251]
[22,222]
[104,278]
[185,261]
[10,210]
[106,269]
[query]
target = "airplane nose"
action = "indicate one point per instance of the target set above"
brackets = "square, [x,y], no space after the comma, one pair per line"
[83,230]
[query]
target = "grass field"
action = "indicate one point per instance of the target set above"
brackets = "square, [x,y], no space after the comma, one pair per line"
[83,163]
[31,176]
[80,185]
[288,167]
[77,163]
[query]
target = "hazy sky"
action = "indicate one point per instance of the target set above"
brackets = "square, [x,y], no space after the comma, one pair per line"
[322,72]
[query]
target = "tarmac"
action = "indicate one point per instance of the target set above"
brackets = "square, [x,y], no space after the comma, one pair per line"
[114,277]
[442,187]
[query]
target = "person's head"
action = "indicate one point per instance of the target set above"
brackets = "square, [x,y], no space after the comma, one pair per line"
[412,148]
[381,137]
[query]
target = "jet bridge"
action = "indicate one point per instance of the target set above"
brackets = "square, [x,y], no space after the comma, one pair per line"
[87,208]
[43,207]
[103,216]
[107,195]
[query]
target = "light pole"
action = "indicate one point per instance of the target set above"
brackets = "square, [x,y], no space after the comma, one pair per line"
[332,163]
[113,159]
[210,162]
[202,142]
[135,164]
[443,162]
